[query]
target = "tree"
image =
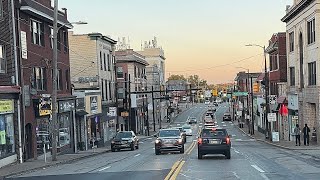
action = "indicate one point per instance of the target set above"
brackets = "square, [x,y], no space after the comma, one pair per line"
[195,81]
[177,77]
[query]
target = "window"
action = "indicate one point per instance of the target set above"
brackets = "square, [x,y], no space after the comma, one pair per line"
[110,91]
[292,76]
[102,92]
[7,143]
[273,62]
[39,78]
[119,72]
[311,30]
[67,79]
[101,65]
[291,41]
[2,60]
[51,37]
[65,40]
[59,40]
[104,61]
[37,32]
[109,63]
[59,79]
[312,73]
[64,130]
[106,89]
[120,93]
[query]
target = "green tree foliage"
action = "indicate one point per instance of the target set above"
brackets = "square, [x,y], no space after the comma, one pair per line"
[177,77]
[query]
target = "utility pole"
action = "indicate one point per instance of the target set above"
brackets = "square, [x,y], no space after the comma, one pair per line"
[266,92]
[116,88]
[252,118]
[130,115]
[247,88]
[126,104]
[54,83]
[153,114]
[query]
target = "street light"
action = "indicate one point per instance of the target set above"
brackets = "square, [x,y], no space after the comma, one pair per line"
[54,79]
[266,87]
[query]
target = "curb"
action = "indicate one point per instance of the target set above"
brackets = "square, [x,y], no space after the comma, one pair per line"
[276,145]
[56,164]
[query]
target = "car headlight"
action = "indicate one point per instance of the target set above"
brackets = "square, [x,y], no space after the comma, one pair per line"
[112,142]
[130,140]
[157,141]
[180,140]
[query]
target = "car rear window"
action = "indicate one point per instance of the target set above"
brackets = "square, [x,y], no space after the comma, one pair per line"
[209,133]
[169,133]
[124,135]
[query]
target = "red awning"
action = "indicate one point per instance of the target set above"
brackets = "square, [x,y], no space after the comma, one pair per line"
[9,89]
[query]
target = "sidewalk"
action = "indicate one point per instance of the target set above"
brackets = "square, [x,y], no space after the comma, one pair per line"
[290,145]
[34,165]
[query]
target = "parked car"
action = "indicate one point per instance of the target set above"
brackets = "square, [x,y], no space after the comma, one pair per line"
[124,140]
[214,141]
[169,140]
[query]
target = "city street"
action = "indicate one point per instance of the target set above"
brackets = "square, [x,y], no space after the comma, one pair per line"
[249,160]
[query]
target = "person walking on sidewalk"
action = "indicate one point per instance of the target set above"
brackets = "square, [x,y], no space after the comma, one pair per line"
[297,132]
[306,136]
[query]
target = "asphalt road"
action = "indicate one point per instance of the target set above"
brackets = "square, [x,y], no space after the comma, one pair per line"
[249,160]
[134,165]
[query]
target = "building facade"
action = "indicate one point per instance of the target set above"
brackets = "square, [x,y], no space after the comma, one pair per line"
[302,23]
[131,83]
[10,94]
[93,69]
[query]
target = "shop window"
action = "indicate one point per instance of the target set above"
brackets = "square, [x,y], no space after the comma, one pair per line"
[6,135]
[42,134]
[64,130]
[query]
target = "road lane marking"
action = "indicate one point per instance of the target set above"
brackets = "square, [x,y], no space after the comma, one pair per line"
[236,151]
[257,168]
[149,138]
[236,175]
[105,168]
[173,168]
[223,122]
[224,125]
[137,155]
[141,142]
[177,171]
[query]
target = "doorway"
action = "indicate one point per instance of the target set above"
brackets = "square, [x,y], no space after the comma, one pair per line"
[28,142]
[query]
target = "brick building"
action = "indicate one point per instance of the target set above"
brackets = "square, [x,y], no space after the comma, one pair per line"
[303,57]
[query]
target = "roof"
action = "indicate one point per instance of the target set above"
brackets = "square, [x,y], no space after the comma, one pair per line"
[35,8]
[293,11]
[243,75]
[101,36]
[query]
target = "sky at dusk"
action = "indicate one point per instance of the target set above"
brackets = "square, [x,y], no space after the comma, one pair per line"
[204,37]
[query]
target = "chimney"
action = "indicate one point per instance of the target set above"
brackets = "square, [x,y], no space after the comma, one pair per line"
[65,11]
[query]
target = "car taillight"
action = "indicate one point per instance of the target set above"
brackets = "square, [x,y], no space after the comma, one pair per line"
[228,140]
[199,140]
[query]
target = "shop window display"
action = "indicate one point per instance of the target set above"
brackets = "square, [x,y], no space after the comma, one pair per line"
[64,130]
[6,135]
[43,135]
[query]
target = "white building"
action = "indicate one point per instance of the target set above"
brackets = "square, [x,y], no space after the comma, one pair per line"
[302,23]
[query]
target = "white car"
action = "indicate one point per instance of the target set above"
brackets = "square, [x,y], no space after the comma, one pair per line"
[207,102]
[187,130]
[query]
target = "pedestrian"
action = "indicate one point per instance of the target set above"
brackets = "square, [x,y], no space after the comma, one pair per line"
[297,132]
[306,131]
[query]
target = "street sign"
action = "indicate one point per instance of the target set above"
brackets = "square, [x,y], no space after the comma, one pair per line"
[272,117]
[273,99]
[240,93]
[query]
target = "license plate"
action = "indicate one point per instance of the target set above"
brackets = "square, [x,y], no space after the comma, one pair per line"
[213,142]
[124,142]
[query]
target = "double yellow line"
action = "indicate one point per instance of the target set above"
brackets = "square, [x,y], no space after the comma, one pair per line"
[175,170]
[189,150]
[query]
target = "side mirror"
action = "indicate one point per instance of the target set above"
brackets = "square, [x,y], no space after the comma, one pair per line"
[155,135]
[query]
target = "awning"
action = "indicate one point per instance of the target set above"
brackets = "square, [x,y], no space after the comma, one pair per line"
[281,99]
[81,113]
[9,89]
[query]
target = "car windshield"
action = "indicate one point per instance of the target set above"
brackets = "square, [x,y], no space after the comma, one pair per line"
[209,133]
[123,135]
[186,127]
[169,133]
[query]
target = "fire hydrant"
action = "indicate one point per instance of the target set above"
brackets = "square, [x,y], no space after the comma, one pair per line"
[314,136]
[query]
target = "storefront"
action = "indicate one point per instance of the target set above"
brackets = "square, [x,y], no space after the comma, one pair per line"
[94,125]
[7,139]
[66,129]
[293,114]
[81,123]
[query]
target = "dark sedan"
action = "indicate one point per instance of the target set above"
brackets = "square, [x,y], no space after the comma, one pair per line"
[227,117]
[214,141]
[125,140]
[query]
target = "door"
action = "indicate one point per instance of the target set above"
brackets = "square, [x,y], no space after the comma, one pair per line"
[28,142]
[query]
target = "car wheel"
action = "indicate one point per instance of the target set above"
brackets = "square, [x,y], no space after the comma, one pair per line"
[137,146]
[132,147]
[182,150]
[199,155]
[228,154]
[157,151]
[113,150]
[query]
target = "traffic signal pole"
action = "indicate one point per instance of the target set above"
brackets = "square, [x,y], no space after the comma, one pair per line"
[252,118]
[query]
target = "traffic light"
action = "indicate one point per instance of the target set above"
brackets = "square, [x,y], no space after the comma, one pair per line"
[256,87]
[214,92]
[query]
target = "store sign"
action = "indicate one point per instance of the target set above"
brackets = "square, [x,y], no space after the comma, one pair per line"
[112,111]
[80,103]
[6,106]
[293,102]
[66,106]
[45,105]
[272,117]
[94,104]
